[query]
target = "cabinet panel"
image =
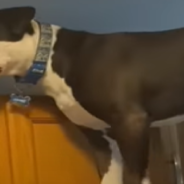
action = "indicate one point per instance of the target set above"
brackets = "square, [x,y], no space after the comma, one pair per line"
[21,146]
[37,149]
[5,161]
[58,160]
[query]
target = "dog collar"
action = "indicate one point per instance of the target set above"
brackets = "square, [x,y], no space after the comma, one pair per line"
[37,70]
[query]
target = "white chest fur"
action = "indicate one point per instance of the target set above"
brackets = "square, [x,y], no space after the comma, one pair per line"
[56,87]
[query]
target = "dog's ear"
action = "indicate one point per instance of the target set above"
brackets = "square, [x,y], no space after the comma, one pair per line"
[16,20]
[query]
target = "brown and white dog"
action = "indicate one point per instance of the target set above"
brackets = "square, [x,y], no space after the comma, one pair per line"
[127,80]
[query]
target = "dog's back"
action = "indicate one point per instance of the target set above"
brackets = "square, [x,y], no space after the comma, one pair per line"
[111,67]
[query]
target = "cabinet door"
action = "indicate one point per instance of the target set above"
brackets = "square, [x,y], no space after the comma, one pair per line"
[5,161]
[39,149]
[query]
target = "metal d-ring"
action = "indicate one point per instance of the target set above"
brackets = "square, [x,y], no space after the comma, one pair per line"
[18,90]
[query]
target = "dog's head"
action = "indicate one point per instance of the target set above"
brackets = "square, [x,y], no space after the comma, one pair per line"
[17,38]
[15,22]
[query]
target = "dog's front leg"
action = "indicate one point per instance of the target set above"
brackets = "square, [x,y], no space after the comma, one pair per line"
[131,130]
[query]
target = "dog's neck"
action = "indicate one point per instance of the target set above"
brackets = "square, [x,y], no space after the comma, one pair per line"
[17,57]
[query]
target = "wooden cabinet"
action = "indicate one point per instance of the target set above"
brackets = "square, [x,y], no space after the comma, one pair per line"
[36,148]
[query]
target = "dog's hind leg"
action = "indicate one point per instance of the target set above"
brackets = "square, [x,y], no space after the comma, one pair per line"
[108,157]
[115,169]
[131,131]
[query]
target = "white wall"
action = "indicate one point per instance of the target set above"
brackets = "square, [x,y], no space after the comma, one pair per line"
[103,16]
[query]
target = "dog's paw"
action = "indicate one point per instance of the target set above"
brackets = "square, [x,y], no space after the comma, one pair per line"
[146,181]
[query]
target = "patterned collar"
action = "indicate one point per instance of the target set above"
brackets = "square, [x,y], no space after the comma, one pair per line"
[37,70]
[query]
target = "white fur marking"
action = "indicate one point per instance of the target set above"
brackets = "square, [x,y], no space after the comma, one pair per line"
[146,181]
[17,57]
[56,87]
[115,170]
